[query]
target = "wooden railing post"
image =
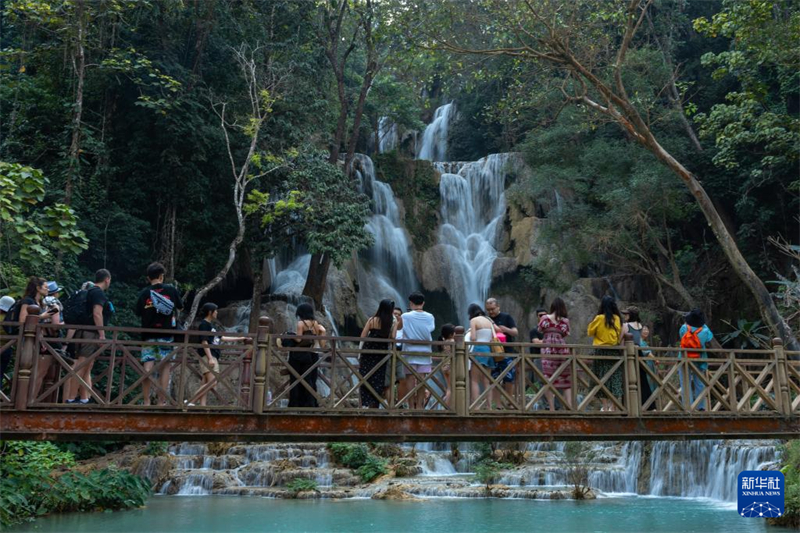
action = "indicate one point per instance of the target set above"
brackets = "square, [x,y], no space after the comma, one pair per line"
[460,365]
[782,397]
[27,354]
[260,366]
[631,365]
[732,399]
[246,378]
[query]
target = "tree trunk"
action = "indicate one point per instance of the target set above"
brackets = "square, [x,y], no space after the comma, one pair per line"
[200,294]
[341,123]
[255,303]
[359,112]
[317,278]
[79,66]
[769,310]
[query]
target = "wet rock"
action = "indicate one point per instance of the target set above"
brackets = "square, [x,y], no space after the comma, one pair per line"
[154,469]
[406,467]
[388,449]
[394,492]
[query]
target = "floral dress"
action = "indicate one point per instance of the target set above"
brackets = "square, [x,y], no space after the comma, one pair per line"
[554,333]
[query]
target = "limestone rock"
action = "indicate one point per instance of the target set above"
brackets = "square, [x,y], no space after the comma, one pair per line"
[394,492]
[434,272]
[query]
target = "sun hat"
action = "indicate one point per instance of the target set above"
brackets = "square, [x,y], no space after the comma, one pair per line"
[53,287]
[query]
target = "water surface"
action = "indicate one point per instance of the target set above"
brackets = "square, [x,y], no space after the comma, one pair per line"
[203,514]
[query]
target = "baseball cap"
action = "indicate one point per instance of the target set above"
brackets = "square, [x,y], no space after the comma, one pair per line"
[5,303]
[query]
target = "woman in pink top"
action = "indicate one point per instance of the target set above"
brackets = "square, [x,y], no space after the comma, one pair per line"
[555,328]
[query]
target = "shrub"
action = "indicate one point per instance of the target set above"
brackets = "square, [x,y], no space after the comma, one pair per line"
[88,448]
[373,467]
[487,471]
[349,455]
[790,466]
[299,485]
[30,488]
[156,448]
[358,458]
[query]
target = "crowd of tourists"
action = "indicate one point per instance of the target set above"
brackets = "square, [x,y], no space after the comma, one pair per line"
[413,376]
[157,305]
[490,335]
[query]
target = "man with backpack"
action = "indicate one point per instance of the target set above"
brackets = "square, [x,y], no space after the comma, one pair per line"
[158,305]
[87,307]
[695,335]
[6,305]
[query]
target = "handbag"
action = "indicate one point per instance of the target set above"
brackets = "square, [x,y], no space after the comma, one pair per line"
[497,347]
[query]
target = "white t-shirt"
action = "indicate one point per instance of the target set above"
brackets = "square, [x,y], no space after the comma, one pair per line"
[418,326]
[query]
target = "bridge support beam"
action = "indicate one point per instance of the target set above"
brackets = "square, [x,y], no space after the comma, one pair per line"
[67,424]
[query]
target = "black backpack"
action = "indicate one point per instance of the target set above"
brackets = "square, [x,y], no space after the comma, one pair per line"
[76,310]
[12,316]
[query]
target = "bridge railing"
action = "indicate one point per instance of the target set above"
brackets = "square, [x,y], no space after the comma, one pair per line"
[271,372]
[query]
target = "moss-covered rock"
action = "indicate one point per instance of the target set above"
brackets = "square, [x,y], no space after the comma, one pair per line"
[416,184]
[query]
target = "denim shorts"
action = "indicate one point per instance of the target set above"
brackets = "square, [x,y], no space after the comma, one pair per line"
[483,360]
[157,352]
[500,366]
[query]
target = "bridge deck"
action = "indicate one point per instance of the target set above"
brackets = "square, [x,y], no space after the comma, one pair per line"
[259,385]
[66,424]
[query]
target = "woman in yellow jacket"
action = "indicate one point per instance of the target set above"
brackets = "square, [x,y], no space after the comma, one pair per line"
[607,329]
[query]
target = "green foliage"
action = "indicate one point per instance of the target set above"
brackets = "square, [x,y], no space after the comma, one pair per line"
[415,183]
[349,455]
[29,487]
[43,456]
[299,485]
[487,472]
[358,457]
[35,231]
[790,466]
[86,449]
[372,468]
[747,335]
[335,212]
[156,448]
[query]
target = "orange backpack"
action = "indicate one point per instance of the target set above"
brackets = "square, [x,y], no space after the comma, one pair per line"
[691,341]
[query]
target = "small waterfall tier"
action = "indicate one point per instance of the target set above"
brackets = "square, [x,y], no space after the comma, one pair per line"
[434,139]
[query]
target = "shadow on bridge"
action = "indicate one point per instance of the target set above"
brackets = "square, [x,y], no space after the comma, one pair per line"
[254,391]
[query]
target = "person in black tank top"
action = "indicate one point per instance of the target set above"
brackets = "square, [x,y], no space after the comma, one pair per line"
[635,327]
[303,394]
[379,326]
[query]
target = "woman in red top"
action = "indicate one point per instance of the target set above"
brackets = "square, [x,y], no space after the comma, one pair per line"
[555,327]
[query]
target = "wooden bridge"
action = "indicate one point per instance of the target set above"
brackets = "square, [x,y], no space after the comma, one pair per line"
[738,393]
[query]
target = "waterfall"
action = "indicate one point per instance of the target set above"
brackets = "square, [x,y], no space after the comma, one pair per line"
[704,468]
[388,272]
[472,206]
[387,135]
[434,138]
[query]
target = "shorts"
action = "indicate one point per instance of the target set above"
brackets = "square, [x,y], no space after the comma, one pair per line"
[86,349]
[204,368]
[500,366]
[487,361]
[156,352]
[399,372]
[422,369]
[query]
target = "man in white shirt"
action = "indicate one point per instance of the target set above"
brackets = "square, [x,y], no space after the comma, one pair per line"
[418,325]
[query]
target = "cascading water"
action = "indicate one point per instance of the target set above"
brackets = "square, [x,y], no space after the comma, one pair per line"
[472,206]
[388,272]
[387,135]
[705,468]
[434,138]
